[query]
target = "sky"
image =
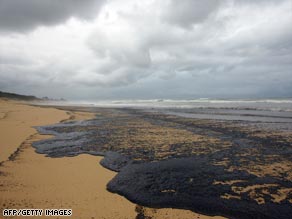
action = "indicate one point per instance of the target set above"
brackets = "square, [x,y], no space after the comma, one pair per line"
[152,49]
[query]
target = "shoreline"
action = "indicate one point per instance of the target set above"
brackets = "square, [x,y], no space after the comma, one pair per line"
[229,155]
[31,180]
[28,180]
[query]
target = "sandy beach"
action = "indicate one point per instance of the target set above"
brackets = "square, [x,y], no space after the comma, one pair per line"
[146,109]
[160,160]
[17,121]
[31,180]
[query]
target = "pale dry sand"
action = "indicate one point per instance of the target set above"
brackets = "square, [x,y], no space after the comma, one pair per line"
[31,180]
[17,121]
[77,183]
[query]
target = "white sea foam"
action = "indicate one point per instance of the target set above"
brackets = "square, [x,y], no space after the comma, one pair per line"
[255,104]
[243,104]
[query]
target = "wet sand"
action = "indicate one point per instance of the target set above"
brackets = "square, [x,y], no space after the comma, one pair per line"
[31,180]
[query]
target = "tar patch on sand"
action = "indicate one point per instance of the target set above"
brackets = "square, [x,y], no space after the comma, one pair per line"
[228,168]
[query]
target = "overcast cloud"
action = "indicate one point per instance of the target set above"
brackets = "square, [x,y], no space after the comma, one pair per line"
[95,49]
[24,15]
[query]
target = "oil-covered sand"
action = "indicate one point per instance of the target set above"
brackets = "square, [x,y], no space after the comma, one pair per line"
[237,169]
[31,180]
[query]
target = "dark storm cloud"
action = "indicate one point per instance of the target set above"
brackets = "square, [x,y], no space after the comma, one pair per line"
[22,15]
[152,49]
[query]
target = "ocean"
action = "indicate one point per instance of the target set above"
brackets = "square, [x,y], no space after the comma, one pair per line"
[253,110]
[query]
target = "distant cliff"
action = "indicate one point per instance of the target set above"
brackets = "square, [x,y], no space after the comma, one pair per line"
[17,96]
